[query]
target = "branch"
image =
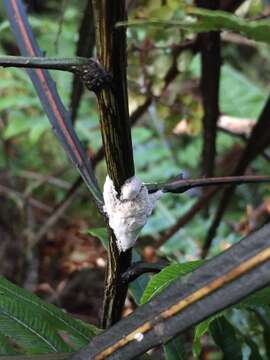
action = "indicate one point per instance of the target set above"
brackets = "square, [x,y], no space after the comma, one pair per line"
[210,49]
[139,268]
[89,71]
[180,186]
[218,284]
[242,137]
[64,64]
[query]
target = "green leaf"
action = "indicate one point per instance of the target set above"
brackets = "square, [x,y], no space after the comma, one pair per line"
[211,20]
[161,280]
[224,336]
[175,349]
[101,234]
[200,330]
[36,327]
[259,298]
[263,315]
[137,286]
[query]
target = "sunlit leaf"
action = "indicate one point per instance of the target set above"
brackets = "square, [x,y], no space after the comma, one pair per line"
[166,276]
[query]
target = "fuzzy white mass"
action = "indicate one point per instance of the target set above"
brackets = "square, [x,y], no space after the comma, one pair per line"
[128,213]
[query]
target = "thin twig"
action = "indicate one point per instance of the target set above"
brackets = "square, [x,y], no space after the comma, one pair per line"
[62,64]
[20,199]
[41,179]
[139,268]
[57,214]
[180,186]
[242,137]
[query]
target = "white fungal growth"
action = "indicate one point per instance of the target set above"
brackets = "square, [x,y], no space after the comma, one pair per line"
[129,211]
[139,337]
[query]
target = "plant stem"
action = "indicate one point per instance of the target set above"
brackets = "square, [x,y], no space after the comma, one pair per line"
[116,136]
[180,186]
[89,71]
[209,44]
[64,64]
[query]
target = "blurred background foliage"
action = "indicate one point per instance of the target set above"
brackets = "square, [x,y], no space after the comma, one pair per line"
[35,174]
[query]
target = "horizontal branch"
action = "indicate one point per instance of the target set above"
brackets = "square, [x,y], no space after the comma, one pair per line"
[64,64]
[139,268]
[183,185]
[90,72]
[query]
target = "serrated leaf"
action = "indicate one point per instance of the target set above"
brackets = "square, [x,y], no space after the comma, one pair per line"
[166,276]
[37,327]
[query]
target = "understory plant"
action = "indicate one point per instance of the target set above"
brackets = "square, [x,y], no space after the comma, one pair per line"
[207,293]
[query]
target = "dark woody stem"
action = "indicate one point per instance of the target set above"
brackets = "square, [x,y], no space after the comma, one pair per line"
[139,268]
[116,135]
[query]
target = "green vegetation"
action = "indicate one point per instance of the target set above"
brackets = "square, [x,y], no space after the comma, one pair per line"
[169,74]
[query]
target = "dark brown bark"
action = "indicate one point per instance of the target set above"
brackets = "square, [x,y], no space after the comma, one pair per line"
[116,136]
[209,44]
